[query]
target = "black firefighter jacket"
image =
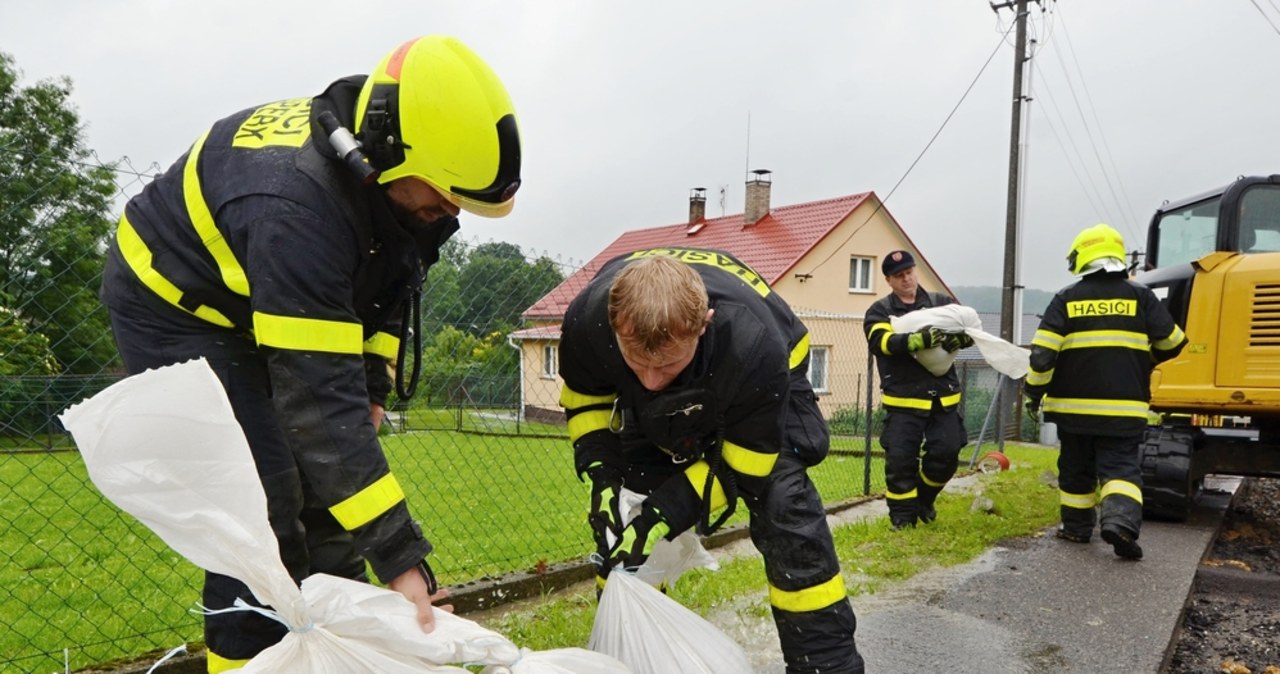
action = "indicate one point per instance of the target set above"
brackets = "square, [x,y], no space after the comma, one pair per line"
[1092,356]
[257,230]
[749,377]
[906,385]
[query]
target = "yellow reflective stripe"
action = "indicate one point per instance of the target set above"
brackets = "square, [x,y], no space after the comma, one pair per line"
[138,257]
[1096,407]
[884,343]
[1089,339]
[881,326]
[809,599]
[920,403]
[1081,501]
[383,344]
[748,461]
[697,476]
[925,478]
[198,210]
[586,422]
[217,664]
[308,334]
[913,403]
[1175,338]
[1048,339]
[898,496]
[1123,488]
[1037,378]
[571,399]
[799,352]
[368,503]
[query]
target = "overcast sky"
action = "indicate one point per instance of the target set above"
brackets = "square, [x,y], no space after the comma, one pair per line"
[624,107]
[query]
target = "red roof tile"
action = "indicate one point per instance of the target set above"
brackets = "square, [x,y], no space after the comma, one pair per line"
[772,246]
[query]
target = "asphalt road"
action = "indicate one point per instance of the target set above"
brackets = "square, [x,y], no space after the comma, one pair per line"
[1044,605]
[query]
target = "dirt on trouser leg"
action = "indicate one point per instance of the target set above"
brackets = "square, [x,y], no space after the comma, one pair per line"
[1232,623]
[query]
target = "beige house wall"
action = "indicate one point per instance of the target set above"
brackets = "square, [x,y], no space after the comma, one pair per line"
[540,391]
[820,281]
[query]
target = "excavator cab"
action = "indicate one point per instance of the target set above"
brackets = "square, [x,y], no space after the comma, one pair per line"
[1214,259]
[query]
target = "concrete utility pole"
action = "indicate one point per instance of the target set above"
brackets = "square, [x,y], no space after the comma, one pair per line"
[1011,287]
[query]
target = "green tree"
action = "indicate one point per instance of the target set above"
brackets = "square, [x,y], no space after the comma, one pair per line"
[497,284]
[53,221]
[484,289]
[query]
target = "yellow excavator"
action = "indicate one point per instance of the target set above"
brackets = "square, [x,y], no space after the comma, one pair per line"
[1214,259]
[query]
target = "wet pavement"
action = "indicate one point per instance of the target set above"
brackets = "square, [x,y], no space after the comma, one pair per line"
[1036,604]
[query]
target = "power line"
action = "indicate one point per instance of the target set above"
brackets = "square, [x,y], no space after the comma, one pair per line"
[1126,204]
[1088,190]
[928,145]
[1264,14]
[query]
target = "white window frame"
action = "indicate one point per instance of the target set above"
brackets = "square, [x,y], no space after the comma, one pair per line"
[549,354]
[856,261]
[824,385]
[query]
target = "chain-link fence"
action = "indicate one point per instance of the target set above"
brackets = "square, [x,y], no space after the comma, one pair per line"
[481,450]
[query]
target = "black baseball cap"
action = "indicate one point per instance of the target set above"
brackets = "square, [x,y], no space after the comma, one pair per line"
[897,261]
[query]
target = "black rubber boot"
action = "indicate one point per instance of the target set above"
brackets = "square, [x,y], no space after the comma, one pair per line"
[1124,542]
[1073,536]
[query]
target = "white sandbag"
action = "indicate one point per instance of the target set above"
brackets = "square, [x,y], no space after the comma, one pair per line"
[653,634]
[1008,359]
[164,446]
[560,661]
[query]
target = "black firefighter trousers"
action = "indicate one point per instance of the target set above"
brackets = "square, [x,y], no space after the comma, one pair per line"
[789,528]
[1114,462]
[915,473]
[311,540]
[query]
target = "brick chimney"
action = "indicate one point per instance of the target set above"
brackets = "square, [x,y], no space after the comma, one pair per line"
[757,197]
[697,205]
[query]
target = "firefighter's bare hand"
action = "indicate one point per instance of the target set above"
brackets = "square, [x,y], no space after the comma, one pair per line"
[413,586]
[376,412]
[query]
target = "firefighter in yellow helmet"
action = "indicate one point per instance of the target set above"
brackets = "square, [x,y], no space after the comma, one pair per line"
[1091,363]
[287,247]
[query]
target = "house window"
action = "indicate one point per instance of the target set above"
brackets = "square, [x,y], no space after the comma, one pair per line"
[818,368]
[860,274]
[549,361]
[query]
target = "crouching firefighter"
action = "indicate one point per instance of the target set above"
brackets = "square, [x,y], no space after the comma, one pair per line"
[1091,362]
[685,378]
[287,248]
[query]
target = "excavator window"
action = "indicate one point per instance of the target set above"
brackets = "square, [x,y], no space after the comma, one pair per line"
[1260,219]
[1187,234]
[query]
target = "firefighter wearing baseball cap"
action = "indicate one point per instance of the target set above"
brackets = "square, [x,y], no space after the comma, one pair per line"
[920,407]
[286,247]
[1091,362]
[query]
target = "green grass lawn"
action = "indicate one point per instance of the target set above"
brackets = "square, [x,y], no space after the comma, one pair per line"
[77,573]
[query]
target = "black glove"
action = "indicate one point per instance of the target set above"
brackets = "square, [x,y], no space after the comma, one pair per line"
[1032,406]
[924,338]
[606,484]
[638,539]
[953,342]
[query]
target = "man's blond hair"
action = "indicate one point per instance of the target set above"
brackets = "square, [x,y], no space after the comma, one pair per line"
[655,302]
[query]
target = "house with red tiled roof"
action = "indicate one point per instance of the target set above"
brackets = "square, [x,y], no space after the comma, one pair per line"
[823,257]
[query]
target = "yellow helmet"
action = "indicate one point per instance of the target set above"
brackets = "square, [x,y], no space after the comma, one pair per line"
[433,110]
[1094,243]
